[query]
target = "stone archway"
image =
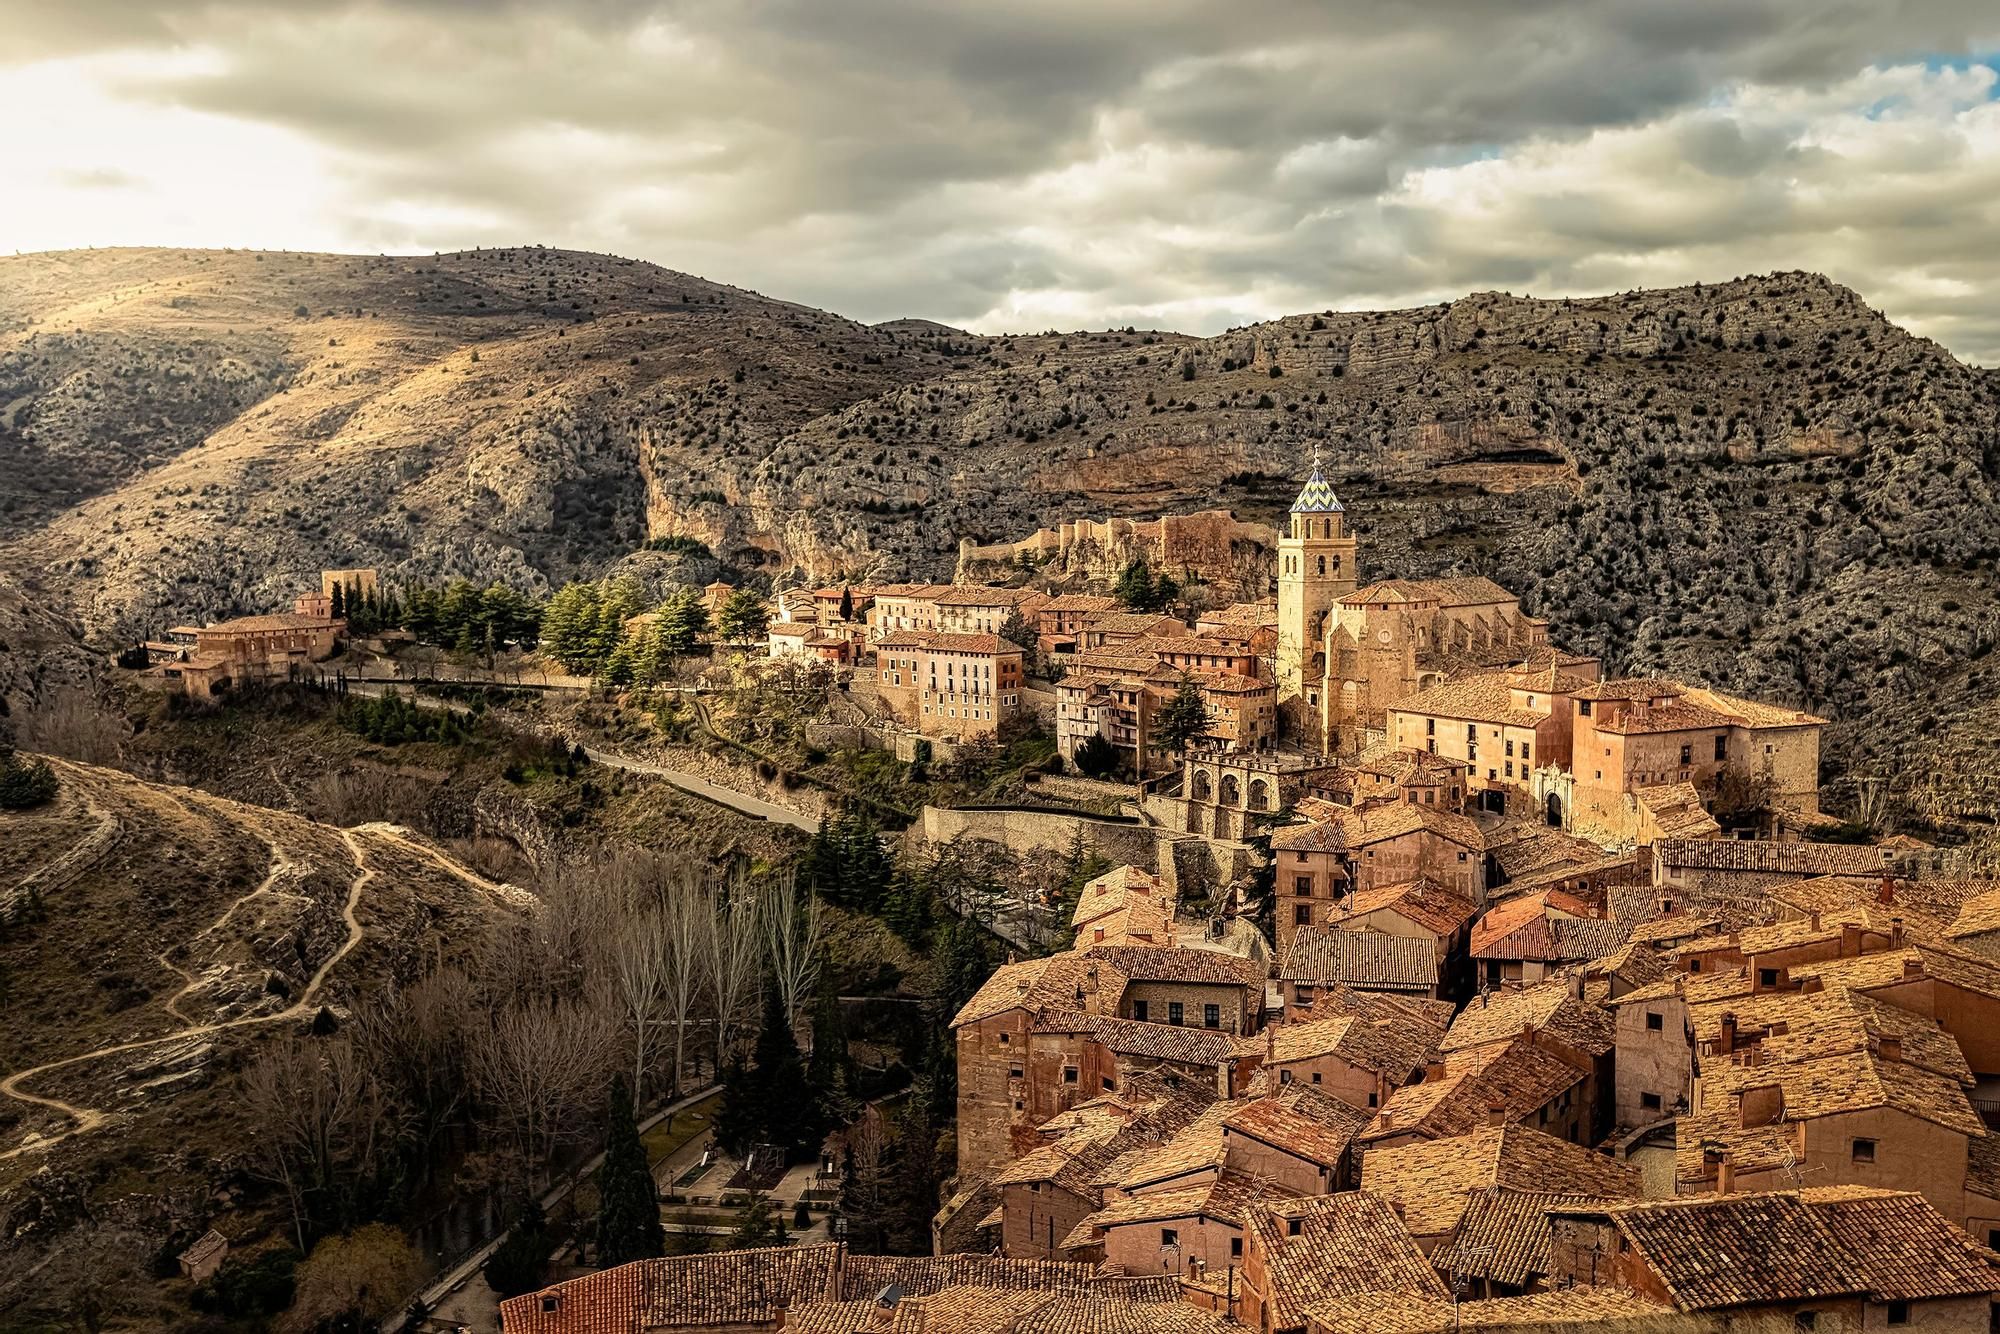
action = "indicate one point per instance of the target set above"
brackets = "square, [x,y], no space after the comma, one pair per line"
[1230,792]
[1552,811]
[1260,795]
[1199,788]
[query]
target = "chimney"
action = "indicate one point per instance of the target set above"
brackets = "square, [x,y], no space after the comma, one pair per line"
[1725,1041]
[1725,1174]
[1850,941]
[1889,1048]
[1815,923]
[1496,1114]
[1886,891]
[1388,1119]
[1913,966]
[1895,933]
[1433,1070]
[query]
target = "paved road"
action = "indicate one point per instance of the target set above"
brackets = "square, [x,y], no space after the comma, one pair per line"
[701,787]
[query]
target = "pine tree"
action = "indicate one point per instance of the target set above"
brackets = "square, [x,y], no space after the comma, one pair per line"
[963,965]
[628,1209]
[1135,586]
[1096,757]
[758,1225]
[739,1121]
[907,907]
[913,1190]
[788,1117]
[339,601]
[744,617]
[1184,718]
[830,1071]
[522,1262]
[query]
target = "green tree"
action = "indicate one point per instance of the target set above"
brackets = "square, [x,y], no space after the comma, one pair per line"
[1135,586]
[339,601]
[1184,718]
[739,1120]
[355,1281]
[758,1225]
[24,782]
[1096,757]
[785,1118]
[744,616]
[628,1208]
[964,962]
[830,1070]
[521,1264]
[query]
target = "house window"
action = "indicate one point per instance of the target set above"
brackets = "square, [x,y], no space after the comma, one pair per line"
[1805,1319]
[1315,1076]
[1524,755]
[1694,965]
[1510,755]
[1302,885]
[1371,1099]
[1650,1101]
[1722,748]
[1139,1010]
[1004,1039]
[1302,914]
[1294,1226]
[1069,1074]
[1284,1076]
[1583,707]
[1211,1016]
[1899,1313]
[1014,1072]
[1236,1248]
[1169,1237]
[1864,1150]
[1687,756]
[1430,727]
[1174,1012]
[1655,1023]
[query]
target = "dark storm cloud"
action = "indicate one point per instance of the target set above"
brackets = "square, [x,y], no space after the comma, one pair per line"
[1180,163]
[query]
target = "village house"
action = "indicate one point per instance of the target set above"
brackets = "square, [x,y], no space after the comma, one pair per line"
[1557,1018]
[1295,1137]
[1059,620]
[1741,866]
[1628,735]
[1421,909]
[1500,725]
[1298,1253]
[1118,693]
[1348,1057]
[949,684]
[1342,850]
[972,610]
[1433,1180]
[1597,1310]
[901,607]
[1197,987]
[1523,939]
[1318,959]
[1116,630]
[1493,1085]
[1819,1258]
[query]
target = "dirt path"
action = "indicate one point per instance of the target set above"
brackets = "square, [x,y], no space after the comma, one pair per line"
[86,1118]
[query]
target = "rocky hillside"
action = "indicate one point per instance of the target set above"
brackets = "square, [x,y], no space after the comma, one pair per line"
[153,940]
[1762,483]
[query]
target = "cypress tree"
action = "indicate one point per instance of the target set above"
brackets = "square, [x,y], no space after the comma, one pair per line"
[628,1208]
[739,1121]
[339,601]
[788,1118]
[522,1262]
[829,1071]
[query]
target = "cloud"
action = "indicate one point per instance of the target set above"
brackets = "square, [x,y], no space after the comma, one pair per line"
[1045,163]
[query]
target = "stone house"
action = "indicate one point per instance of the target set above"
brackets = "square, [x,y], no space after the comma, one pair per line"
[972,610]
[952,685]
[199,1262]
[904,607]
[1319,959]
[1632,734]
[1117,630]
[1349,1058]
[1187,987]
[1822,1258]
[1500,1083]
[1117,693]
[1058,621]
[1299,1253]
[1432,1181]
[1296,1138]
[1741,866]
[1524,939]
[1421,909]
[1500,725]
[1556,1017]
[1321,861]
[1225,794]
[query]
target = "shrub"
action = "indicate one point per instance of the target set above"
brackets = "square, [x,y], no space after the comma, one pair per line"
[24,783]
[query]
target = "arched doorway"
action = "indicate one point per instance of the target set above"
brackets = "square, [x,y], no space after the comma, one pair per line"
[1229,789]
[1200,790]
[1260,795]
[1553,811]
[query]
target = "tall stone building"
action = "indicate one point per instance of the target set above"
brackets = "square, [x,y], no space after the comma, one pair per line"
[1316,566]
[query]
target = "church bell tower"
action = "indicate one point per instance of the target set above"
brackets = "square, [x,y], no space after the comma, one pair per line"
[1315,568]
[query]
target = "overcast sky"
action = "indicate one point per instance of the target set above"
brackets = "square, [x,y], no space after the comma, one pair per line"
[1011,166]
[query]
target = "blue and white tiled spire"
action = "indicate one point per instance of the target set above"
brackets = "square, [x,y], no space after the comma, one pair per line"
[1318,497]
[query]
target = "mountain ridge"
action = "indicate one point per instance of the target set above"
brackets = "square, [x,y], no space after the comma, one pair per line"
[1760,483]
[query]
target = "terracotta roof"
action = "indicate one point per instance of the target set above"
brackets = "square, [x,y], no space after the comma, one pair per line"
[973,595]
[1333,1246]
[1423,902]
[1134,1037]
[1513,1080]
[1484,698]
[1196,1146]
[1357,827]
[1503,1236]
[1224,1198]
[1172,963]
[1322,956]
[1079,602]
[1110,891]
[1789,858]
[973,1309]
[850,1317]
[922,1275]
[1299,1121]
[1384,1009]
[1549,1007]
[1035,984]
[1135,623]
[1784,1246]
[282,620]
[1938,962]
[1678,811]
[1395,1048]
[1431,1178]
[722,1288]
[1606,1310]
[940,642]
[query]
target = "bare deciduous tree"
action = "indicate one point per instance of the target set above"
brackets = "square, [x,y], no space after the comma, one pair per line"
[538,1066]
[322,1121]
[794,932]
[639,963]
[730,958]
[685,922]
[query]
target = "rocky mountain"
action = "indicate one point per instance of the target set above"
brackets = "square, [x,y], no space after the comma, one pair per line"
[1762,483]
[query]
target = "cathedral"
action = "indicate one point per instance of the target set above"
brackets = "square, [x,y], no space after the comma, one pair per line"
[1347,653]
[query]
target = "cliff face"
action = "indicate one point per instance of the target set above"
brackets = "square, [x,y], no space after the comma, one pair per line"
[1760,483]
